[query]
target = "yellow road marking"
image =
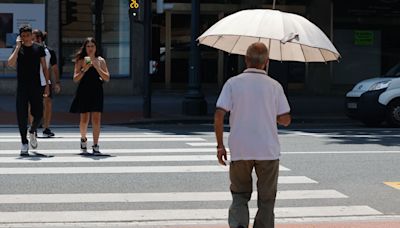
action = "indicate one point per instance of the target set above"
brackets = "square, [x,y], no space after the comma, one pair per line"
[395,185]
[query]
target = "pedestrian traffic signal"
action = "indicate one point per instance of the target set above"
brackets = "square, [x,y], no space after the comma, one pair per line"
[136,8]
[136,14]
[71,11]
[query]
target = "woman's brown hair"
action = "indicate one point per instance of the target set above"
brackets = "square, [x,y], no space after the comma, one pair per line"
[82,51]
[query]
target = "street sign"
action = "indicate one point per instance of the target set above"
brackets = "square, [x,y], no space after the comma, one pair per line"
[363,38]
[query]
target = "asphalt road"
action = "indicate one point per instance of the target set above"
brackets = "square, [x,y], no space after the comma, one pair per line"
[168,175]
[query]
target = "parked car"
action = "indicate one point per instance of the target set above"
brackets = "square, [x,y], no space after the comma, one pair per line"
[376,100]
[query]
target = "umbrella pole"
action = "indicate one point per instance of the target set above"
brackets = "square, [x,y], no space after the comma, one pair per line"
[273,4]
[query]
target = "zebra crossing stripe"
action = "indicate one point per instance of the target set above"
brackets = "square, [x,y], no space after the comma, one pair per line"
[156,197]
[103,159]
[188,150]
[130,169]
[118,151]
[119,139]
[85,159]
[103,135]
[168,215]
[202,144]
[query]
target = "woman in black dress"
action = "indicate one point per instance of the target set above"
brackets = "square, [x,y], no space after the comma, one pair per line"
[90,72]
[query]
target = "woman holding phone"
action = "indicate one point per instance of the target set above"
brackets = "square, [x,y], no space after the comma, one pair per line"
[90,72]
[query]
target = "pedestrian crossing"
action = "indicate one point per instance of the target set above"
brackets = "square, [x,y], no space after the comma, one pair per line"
[173,178]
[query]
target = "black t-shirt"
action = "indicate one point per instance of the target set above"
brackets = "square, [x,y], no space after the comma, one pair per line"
[28,65]
[53,57]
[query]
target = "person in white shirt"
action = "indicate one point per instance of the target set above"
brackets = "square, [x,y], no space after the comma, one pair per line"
[256,103]
[51,61]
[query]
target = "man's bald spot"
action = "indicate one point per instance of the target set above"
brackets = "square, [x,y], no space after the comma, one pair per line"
[256,55]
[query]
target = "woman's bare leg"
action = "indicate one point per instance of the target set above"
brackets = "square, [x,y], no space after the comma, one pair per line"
[96,124]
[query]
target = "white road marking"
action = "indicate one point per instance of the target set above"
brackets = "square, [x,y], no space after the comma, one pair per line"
[168,215]
[118,151]
[156,197]
[193,222]
[85,159]
[202,144]
[289,133]
[132,169]
[345,152]
[191,150]
[103,135]
[119,139]
[104,159]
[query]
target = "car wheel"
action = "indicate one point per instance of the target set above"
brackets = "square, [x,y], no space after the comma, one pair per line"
[393,113]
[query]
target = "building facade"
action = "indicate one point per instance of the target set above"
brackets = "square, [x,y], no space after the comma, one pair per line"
[364,32]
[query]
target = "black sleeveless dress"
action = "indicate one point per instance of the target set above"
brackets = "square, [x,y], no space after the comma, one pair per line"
[89,94]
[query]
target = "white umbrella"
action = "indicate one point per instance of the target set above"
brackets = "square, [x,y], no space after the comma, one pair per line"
[289,37]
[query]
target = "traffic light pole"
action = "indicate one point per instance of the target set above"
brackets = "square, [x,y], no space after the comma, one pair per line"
[98,12]
[194,102]
[147,57]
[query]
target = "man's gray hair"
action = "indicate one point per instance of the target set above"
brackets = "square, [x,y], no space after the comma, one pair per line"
[257,54]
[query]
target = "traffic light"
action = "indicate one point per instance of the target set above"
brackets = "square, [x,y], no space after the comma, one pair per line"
[136,10]
[71,11]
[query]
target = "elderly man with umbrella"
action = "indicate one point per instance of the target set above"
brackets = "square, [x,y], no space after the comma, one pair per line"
[256,102]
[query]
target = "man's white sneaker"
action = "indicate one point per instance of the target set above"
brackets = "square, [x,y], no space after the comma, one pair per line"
[24,150]
[33,140]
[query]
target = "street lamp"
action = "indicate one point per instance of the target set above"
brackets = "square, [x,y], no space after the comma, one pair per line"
[194,102]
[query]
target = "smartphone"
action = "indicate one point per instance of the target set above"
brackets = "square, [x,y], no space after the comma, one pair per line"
[19,39]
[87,60]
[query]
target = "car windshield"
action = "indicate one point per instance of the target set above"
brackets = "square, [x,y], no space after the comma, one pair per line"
[394,71]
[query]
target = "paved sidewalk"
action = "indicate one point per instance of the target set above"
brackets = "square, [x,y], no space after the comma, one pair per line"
[167,108]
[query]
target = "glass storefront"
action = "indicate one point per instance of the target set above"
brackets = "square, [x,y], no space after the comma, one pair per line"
[365,34]
[173,32]
[12,15]
[115,35]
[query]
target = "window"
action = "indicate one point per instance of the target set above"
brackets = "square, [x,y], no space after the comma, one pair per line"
[115,34]
[13,14]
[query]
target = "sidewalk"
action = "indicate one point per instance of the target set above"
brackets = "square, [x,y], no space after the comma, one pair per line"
[167,108]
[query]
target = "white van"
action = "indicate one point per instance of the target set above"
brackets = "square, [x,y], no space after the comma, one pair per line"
[376,100]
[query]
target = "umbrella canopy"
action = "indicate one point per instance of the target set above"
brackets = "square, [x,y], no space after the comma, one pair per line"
[289,37]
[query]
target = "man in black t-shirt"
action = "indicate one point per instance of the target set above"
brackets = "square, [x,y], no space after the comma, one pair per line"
[28,57]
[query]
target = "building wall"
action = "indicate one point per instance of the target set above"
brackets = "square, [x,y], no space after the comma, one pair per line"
[380,17]
[66,38]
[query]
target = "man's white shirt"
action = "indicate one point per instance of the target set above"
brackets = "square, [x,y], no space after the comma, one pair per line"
[254,100]
[47,58]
